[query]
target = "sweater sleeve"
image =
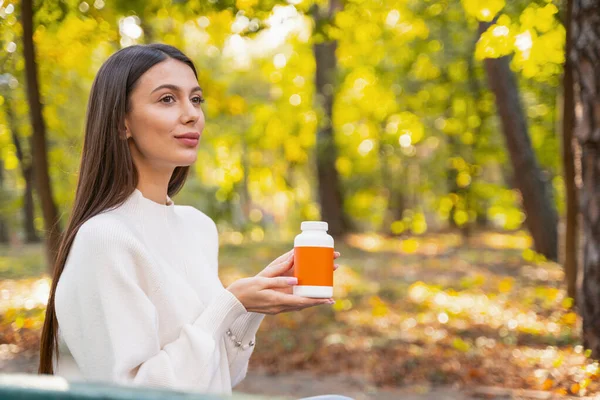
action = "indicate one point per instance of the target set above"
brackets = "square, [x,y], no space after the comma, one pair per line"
[240,345]
[243,330]
[110,324]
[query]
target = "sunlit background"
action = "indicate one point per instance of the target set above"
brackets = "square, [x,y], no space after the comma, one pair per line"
[419,145]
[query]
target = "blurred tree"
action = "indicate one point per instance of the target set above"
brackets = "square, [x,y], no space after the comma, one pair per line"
[330,193]
[535,190]
[411,125]
[571,234]
[25,164]
[4,229]
[7,84]
[585,59]
[477,203]
[39,145]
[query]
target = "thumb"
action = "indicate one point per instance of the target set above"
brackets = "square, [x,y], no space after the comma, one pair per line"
[278,268]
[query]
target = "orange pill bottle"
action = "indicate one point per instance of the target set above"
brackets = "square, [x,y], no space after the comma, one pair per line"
[313,261]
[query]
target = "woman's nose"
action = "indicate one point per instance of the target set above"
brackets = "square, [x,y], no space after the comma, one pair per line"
[190,113]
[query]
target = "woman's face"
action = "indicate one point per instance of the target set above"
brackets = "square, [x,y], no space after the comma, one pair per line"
[165,121]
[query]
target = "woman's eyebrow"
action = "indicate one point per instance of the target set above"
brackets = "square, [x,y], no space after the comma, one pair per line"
[176,88]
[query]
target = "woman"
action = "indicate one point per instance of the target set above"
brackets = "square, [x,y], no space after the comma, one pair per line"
[136,297]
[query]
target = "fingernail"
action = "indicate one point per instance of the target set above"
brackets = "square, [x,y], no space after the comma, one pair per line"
[337,253]
[292,281]
[331,301]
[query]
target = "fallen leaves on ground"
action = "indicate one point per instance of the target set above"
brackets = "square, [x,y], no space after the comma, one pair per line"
[487,312]
[417,310]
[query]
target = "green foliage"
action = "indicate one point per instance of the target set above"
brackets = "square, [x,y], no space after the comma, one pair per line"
[414,122]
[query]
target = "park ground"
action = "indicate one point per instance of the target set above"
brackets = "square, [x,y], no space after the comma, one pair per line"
[438,316]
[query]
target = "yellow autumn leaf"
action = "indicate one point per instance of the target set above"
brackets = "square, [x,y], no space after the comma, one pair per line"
[237,105]
[419,224]
[463,179]
[409,246]
[460,345]
[497,41]
[483,10]
[397,227]
[570,318]
[10,160]
[344,166]
[424,69]
[461,217]
[505,285]
[245,4]
[585,383]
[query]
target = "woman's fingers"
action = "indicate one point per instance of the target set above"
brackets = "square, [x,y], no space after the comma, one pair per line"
[280,266]
[283,286]
[271,295]
[287,290]
[283,257]
[278,282]
[305,302]
[299,301]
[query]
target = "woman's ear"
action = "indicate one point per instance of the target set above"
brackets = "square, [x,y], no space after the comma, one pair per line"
[125,133]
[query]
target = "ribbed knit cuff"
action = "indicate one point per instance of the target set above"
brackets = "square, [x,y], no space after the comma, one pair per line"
[245,327]
[220,314]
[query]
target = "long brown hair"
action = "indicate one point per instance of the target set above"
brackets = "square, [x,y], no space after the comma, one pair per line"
[107,174]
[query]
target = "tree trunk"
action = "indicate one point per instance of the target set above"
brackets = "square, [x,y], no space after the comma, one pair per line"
[478,205]
[395,209]
[451,175]
[396,199]
[27,172]
[391,185]
[39,148]
[31,235]
[4,234]
[535,190]
[585,60]
[571,233]
[330,194]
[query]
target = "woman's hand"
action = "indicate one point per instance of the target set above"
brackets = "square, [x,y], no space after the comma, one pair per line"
[262,295]
[270,291]
[284,266]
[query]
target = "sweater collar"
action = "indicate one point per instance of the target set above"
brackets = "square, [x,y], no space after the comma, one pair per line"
[140,195]
[138,201]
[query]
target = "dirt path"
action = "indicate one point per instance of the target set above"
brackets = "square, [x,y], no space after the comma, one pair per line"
[292,386]
[303,384]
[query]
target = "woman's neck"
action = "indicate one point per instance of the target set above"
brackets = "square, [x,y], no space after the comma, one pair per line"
[153,179]
[153,191]
[153,184]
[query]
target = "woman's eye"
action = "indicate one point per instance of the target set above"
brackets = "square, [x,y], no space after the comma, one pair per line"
[197,100]
[168,99]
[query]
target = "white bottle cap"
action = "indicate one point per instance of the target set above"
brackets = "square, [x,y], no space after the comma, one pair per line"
[318,225]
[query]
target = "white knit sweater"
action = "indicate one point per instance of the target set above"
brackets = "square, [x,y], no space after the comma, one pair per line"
[140,302]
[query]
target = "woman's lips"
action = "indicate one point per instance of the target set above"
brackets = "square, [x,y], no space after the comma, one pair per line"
[189,139]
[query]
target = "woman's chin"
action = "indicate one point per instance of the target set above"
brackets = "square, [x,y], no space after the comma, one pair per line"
[186,164]
[187,161]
